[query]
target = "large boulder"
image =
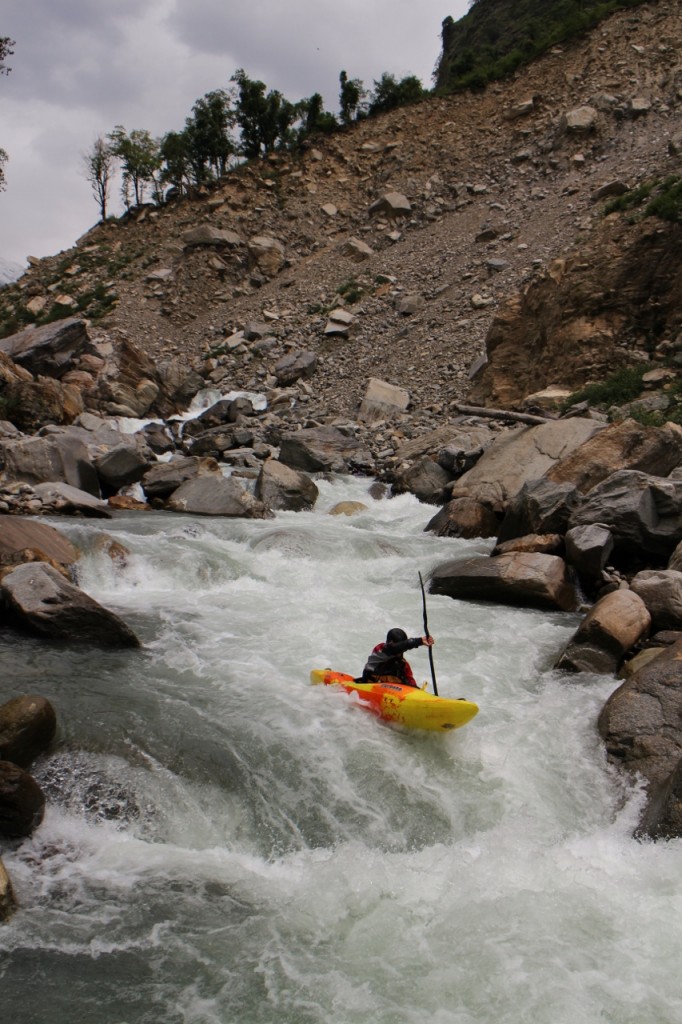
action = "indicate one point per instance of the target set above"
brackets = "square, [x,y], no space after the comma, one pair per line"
[280,487]
[33,402]
[383,400]
[56,457]
[41,601]
[463,517]
[541,506]
[17,535]
[216,496]
[49,350]
[661,592]
[425,479]
[642,512]
[627,445]
[319,450]
[517,578]
[121,466]
[294,366]
[27,727]
[641,722]
[609,630]
[588,549]
[267,253]
[161,480]
[22,802]
[63,499]
[662,816]
[519,456]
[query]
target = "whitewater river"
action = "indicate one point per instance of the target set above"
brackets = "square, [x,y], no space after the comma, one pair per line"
[226,844]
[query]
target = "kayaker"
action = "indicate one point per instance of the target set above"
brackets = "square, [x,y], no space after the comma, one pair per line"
[387,658]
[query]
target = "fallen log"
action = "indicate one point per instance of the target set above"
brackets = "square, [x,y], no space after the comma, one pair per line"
[499,414]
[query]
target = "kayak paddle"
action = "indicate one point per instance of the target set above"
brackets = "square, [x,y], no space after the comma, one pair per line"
[426,633]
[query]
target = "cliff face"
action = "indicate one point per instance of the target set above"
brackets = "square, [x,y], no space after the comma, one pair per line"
[433,228]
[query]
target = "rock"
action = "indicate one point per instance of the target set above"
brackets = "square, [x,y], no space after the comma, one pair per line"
[347,508]
[294,366]
[640,722]
[588,549]
[526,580]
[280,487]
[356,250]
[20,534]
[216,495]
[519,456]
[121,466]
[425,479]
[406,305]
[40,600]
[27,727]
[55,458]
[49,350]
[392,205]
[319,450]
[662,816]
[267,253]
[610,629]
[538,543]
[579,121]
[160,481]
[626,445]
[661,592]
[64,499]
[339,323]
[33,403]
[383,400]
[675,561]
[8,903]
[463,517]
[22,803]
[541,506]
[205,234]
[643,513]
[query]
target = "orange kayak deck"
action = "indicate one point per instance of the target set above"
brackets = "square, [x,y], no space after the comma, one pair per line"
[407,705]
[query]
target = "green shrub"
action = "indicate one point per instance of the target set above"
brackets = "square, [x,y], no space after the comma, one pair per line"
[621,387]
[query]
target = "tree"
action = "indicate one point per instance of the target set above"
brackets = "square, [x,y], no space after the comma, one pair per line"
[389,93]
[264,118]
[315,117]
[6,50]
[99,165]
[210,144]
[177,161]
[140,158]
[350,97]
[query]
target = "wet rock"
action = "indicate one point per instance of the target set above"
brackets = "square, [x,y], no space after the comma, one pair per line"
[662,816]
[121,466]
[347,508]
[160,481]
[8,903]
[280,487]
[63,499]
[216,495]
[426,480]
[610,629]
[541,506]
[27,727]
[41,601]
[22,803]
[464,517]
[588,549]
[640,722]
[526,580]
[538,543]
[17,535]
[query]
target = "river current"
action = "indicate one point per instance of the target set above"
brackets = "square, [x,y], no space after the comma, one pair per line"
[227,844]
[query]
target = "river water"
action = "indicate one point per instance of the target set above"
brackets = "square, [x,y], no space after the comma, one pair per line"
[226,844]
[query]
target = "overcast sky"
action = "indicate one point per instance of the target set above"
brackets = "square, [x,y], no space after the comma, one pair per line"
[80,67]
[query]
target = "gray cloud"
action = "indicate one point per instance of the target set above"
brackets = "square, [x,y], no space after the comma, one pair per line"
[82,66]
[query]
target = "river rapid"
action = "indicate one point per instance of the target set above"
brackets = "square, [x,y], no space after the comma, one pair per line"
[226,844]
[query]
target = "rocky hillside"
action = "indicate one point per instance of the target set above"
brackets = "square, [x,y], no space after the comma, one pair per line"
[399,248]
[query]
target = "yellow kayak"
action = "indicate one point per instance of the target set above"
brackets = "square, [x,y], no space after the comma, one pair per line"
[408,705]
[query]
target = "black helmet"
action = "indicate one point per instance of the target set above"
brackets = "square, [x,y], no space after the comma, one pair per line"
[396,636]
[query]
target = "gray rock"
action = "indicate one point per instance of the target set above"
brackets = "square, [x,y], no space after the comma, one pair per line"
[294,366]
[588,549]
[40,600]
[205,234]
[64,499]
[22,802]
[426,480]
[216,495]
[49,350]
[463,517]
[121,466]
[280,487]
[27,727]
[661,592]
[160,481]
[60,457]
[319,450]
[541,506]
[518,578]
